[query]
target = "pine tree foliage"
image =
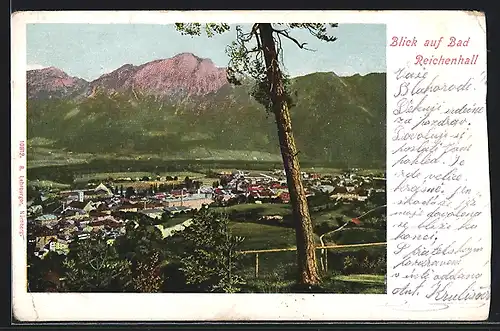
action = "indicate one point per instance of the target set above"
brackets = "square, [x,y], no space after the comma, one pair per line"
[146,276]
[93,265]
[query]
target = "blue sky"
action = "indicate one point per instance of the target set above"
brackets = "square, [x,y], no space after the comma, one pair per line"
[90,50]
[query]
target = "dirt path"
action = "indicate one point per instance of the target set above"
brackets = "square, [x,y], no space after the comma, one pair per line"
[323,251]
[330,232]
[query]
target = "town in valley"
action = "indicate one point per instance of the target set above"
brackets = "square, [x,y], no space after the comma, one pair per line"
[56,216]
[104,204]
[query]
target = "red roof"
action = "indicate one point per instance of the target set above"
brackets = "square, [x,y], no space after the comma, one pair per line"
[178,192]
[285,196]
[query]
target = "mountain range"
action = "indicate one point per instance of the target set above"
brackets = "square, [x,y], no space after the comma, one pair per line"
[184,107]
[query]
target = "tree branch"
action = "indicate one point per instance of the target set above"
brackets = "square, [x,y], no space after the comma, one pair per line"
[320,35]
[255,27]
[246,37]
[257,38]
[300,45]
[277,30]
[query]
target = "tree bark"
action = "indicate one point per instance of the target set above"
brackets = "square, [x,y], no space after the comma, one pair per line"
[306,253]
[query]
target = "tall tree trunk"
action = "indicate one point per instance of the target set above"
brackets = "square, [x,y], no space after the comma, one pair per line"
[306,253]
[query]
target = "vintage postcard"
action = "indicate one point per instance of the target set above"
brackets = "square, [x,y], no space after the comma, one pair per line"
[196,166]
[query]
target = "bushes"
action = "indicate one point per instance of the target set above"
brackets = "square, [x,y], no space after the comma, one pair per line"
[146,276]
[174,280]
[329,284]
[357,235]
[327,226]
[92,265]
[378,222]
[268,286]
[364,261]
[324,207]
[319,199]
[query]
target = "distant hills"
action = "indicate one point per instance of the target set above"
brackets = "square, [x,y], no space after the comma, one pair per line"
[183,75]
[184,107]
